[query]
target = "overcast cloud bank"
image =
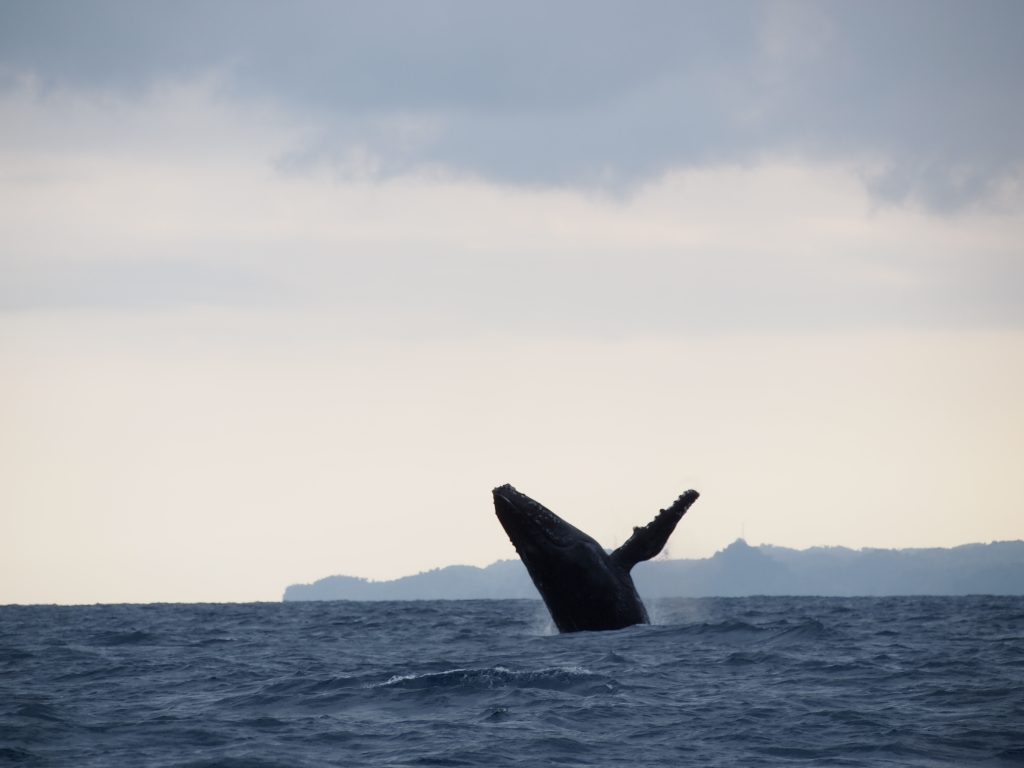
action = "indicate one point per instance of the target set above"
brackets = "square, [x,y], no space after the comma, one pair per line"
[923,96]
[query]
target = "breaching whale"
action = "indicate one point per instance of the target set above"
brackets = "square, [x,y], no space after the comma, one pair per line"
[584,587]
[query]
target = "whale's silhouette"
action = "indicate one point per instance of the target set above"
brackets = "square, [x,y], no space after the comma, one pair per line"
[584,587]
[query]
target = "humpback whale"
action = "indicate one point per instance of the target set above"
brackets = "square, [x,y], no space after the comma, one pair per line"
[584,587]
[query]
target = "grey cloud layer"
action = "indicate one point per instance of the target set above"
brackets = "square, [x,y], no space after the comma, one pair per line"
[531,295]
[925,94]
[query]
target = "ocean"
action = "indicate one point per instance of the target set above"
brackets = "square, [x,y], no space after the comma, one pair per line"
[760,681]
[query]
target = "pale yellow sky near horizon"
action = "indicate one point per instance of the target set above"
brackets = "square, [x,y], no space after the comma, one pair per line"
[215,475]
[222,372]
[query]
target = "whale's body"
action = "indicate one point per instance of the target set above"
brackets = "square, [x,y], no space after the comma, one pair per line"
[584,587]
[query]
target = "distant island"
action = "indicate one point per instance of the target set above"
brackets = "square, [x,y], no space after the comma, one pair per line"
[736,571]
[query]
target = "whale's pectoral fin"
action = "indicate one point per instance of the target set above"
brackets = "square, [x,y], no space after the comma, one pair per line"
[648,541]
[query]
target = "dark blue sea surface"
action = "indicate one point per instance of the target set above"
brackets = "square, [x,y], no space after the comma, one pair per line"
[916,681]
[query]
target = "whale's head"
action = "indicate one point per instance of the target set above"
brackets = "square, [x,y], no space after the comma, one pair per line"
[532,527]
[572,572]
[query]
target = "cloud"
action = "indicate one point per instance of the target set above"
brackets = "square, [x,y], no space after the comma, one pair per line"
[149,187]
[921,95]
[179,199]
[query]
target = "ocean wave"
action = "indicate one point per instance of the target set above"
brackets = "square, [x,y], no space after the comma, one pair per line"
[132,637]
[489,678]
[811,629]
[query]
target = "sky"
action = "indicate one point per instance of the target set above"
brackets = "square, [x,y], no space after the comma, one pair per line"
[287,288]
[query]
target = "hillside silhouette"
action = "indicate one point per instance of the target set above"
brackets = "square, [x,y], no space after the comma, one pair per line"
[736,571]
